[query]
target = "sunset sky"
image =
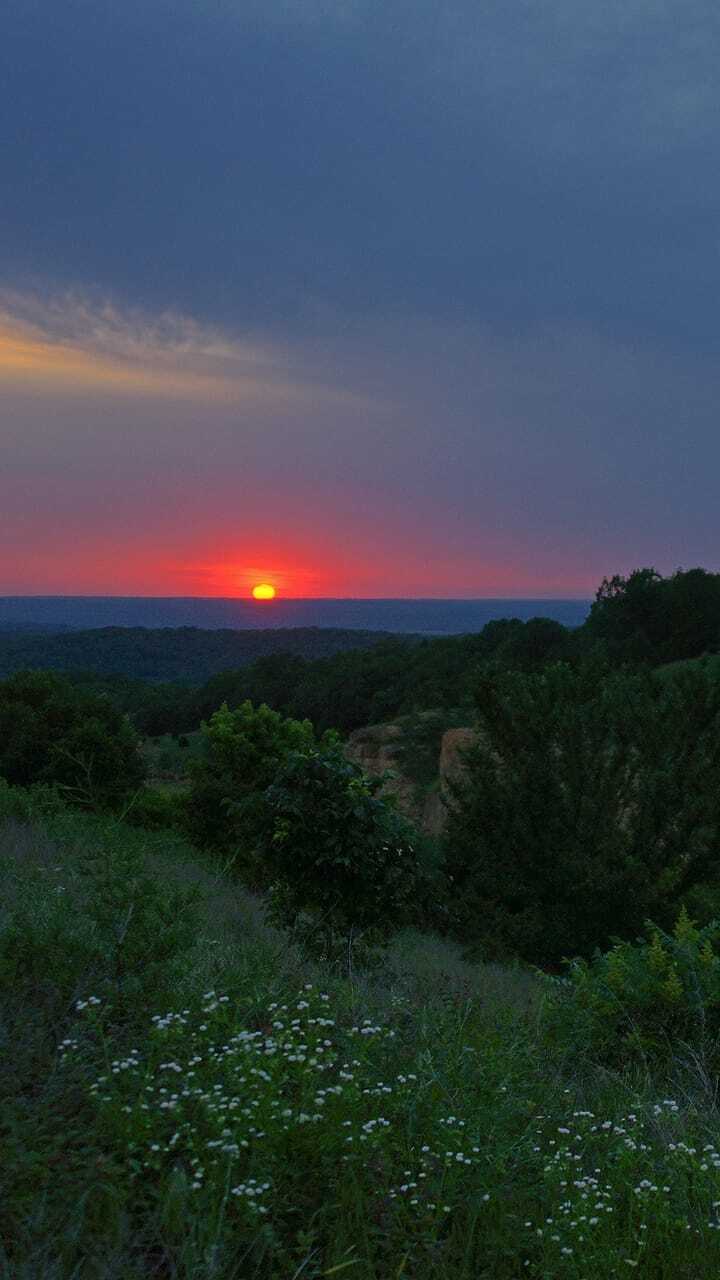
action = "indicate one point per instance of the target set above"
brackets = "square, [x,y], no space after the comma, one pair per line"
[357,297]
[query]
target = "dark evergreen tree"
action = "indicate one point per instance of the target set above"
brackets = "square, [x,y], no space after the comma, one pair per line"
[590,803]
[646,618]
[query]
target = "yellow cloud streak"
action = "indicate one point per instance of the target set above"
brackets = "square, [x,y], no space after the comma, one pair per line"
[34,362]
[29,359]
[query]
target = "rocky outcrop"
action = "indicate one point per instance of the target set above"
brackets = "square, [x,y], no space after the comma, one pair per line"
[377,749]
[452,745]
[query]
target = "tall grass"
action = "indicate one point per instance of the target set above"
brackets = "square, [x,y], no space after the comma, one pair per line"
[183,1095]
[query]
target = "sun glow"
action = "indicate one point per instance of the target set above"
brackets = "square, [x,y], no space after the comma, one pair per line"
[263,591]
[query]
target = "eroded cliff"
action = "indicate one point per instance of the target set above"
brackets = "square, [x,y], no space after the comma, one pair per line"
[379,748]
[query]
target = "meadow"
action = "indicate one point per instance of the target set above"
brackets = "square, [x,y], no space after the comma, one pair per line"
[256,1026]
[185,1094]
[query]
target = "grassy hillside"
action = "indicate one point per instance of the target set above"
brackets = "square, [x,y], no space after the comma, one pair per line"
[182,1095]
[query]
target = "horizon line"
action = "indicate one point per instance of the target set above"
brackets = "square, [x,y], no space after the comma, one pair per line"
[269,604]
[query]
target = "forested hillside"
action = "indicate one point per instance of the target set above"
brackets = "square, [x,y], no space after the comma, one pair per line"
[393,676]
[187,654]
[169,680]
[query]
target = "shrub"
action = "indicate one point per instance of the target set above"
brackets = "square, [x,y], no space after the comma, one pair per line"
[643,998]
[343,862]
[156,810]
[589,804]
[243,750]
[19,804]
[54,733]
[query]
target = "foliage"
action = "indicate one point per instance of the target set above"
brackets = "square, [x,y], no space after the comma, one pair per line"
[109,915]
[52,732]
[186,654]
[342,862]
[242,1113]
[243,751]
[271,680]
[24,804]
[646,998]
[328,1108]
[418,750]
[524,646]
[156,809]
[393,678]
[648,618]
[345,679]
[169,757]
[337,679]
[589,804]
[15,803]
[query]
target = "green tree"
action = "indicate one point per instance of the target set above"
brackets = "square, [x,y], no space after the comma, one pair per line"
[55,733]
[646,618]
[533,644]
[342,861]
[694,601]
[243,751]
[590,803]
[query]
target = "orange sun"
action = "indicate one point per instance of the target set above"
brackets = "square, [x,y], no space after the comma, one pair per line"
[263,591]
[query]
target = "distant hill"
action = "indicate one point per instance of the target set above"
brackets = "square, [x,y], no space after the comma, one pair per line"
[404,617]
[38,628]
[186,654]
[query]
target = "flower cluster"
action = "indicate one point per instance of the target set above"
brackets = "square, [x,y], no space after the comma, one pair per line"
[599,1169]
[220,1099]
[274,1108]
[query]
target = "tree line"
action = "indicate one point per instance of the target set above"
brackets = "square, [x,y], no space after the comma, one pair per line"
[589,803]
[643,620]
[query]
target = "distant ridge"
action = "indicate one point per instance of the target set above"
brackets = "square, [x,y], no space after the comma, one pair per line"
[187,654]
[431,617]
[33,627]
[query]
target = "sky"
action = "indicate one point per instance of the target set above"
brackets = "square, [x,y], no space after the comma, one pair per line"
[357,297]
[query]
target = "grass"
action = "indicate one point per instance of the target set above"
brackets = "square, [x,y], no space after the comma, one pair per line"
[183,1095]
[168,762]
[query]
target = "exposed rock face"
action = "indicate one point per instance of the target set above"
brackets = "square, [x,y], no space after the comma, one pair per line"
[376,750]
[374,746]
[454,742]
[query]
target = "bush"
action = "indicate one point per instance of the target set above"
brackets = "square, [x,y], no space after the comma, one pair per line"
[243,750]
[643,998]
[589,804]
[343,862]
[155,810]
[23,804]
[54,733]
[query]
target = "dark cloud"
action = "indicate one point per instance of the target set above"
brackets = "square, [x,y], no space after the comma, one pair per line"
[513,163]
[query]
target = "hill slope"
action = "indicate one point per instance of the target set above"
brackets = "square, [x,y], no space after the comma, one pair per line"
[188,654]
[182,1095]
